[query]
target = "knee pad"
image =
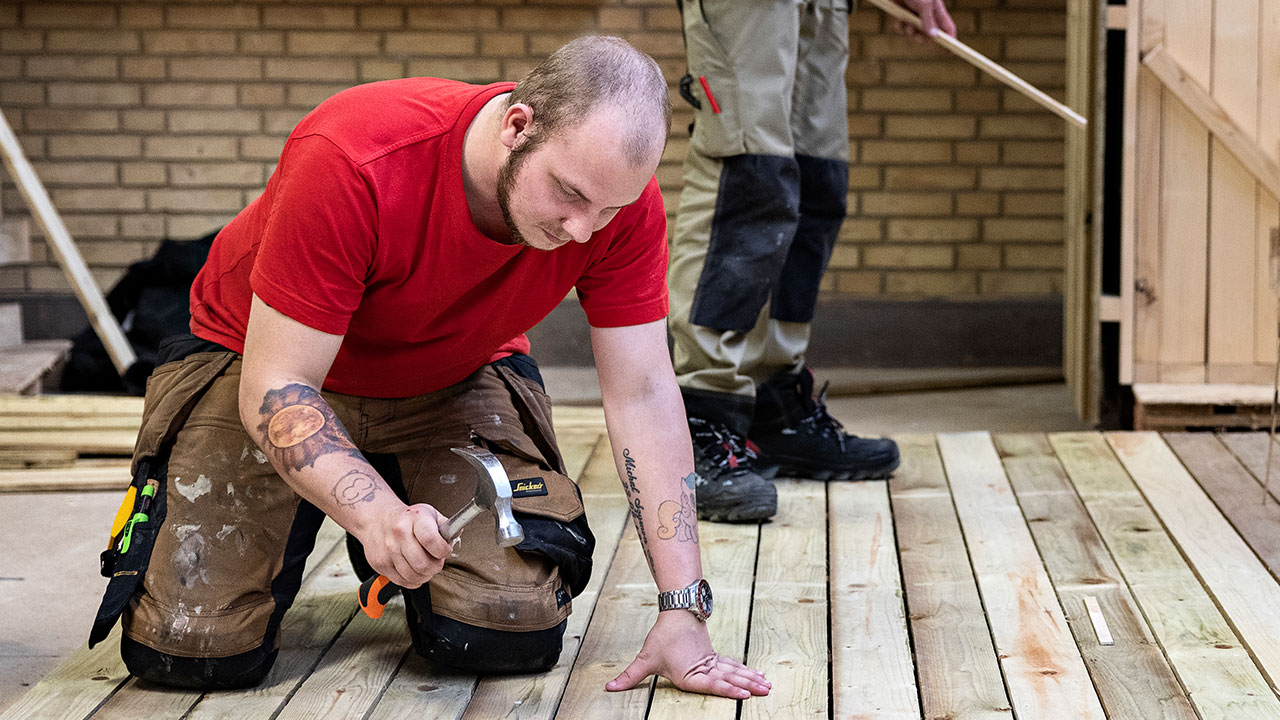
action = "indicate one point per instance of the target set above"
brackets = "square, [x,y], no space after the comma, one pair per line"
[469,648]
[244,670]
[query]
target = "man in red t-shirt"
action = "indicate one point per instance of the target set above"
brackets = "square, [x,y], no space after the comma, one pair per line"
[367,314]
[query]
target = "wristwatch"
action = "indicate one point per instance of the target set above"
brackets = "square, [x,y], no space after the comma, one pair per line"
[696,598]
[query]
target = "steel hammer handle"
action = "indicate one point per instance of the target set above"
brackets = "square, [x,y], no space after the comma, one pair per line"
[377,591]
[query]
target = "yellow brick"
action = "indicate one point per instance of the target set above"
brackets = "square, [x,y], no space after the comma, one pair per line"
[977,203]
[1046,126]
[946,73]
[966,22]
[1033,257]
[908,256]
[613,19]
[861,230]
[901,152]
[939,177]
[978,257]
[893,45]
[933,230]
[21,40]
[477,70]
[1035,48]
[77,67]
[1007,178]
[308,16]
[8,16]
[865,126]
[516,68]
[234,174]
[189,42]
[194,226]
[73,199]
[571,20]
[93,94]
[1009,22]
[1050,77]
[66,15]
[21,94]
[332,43]
[282,121]
[542,44]
[262,43]
[470,18]
[84,225]
[930,284]
[190,94]
[110,253]
[978,100]
[667,18]
[260,95]
[205,16]
[1024,204]
[381,18]
[307,95]
[417,44]
[930,126]
[42,120]
[1021,283]
[864,178]
[221,121]
[142,120]
[859,283]
[54,174]
[826,284]
[142,68]
[502,44]
[314,69]
[906,100]
[861,74]
[141,17]
[142,173]
[202,200]
[14,278]
[903,203]
[261,148]
[215,68]
[844,257]
[189,147]
[92,41]
[45,278]
[1050,153]
[32,146]
[92,147]
[1022,230]
[372,70]
[977,152]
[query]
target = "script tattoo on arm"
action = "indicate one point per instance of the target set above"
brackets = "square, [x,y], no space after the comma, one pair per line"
[300,427]
[679,520]
[633,500]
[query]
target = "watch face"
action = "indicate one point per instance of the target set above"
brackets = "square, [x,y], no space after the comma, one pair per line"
[704,598]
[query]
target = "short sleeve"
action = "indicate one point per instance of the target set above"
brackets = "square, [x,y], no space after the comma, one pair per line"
[320,237]
[628,284]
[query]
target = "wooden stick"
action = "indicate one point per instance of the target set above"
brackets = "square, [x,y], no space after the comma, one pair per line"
[64,249]
[1099,622]
[985,64]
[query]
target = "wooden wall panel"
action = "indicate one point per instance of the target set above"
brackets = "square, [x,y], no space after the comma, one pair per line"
[1264,317]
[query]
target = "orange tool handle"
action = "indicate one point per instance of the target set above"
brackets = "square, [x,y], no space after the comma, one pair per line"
[375,593]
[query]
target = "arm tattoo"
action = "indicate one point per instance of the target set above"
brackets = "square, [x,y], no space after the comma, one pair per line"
[354,487]
[300,427]
[633,499]
[679,520]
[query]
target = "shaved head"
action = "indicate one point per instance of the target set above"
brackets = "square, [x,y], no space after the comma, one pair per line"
[598,73]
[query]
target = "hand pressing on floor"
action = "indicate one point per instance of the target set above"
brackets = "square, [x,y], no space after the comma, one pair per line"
[678,648]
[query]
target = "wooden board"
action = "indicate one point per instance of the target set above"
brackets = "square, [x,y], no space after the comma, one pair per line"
[1043,669]
[1251,450]
[958,674]
[77,475]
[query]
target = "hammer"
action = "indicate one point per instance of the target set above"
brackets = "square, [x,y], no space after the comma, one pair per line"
[493,493]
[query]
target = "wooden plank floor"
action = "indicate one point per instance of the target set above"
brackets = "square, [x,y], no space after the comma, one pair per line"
[958,589]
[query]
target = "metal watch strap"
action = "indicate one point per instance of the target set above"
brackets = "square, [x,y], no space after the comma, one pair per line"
[681,599]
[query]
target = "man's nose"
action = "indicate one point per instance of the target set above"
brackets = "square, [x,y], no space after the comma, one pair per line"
[579,227]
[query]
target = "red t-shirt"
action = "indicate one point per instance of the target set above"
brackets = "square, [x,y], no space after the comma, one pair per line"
[364,231]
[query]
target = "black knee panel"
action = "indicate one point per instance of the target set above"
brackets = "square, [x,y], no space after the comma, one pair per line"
[470,648]
[230,673]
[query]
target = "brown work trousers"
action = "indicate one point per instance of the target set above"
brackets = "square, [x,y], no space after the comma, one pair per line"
[227,561]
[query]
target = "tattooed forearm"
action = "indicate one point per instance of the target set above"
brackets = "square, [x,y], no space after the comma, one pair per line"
[299,427]
[679,520]
[354,487]
[633,499]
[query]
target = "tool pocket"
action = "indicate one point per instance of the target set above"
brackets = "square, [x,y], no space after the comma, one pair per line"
[717,129]
[546,502]
[172,392]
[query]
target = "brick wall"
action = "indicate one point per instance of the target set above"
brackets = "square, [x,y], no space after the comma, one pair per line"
[149,120]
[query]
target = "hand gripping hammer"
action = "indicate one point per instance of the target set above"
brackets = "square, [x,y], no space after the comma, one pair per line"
[493,493]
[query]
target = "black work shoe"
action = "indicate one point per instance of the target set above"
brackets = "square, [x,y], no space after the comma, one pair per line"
[729,489]
[797,437]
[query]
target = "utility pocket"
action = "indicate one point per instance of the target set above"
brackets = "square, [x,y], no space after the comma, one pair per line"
[717,129]
[172,391]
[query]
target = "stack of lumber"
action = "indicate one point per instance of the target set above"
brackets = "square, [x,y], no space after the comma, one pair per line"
[67,442]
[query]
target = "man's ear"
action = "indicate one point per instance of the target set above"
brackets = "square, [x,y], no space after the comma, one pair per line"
[517,121]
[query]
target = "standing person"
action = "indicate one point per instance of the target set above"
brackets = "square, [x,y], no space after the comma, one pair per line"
[367,314]
[764,196]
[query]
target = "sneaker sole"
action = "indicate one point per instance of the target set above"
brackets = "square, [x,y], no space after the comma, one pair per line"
[795,470]
[750,515]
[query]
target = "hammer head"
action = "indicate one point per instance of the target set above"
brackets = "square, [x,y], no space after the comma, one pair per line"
[493,493]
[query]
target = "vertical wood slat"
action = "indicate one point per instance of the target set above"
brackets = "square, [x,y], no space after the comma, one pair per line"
[1042,666]
[1132,677]
[1149,162]
[1240,584]
[1217,673]
[959,676]
[1234,491]
[1268,90]
[789,621]
[872,672]
[1129,191]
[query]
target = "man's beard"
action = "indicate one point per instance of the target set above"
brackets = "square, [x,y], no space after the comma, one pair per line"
[507,182]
